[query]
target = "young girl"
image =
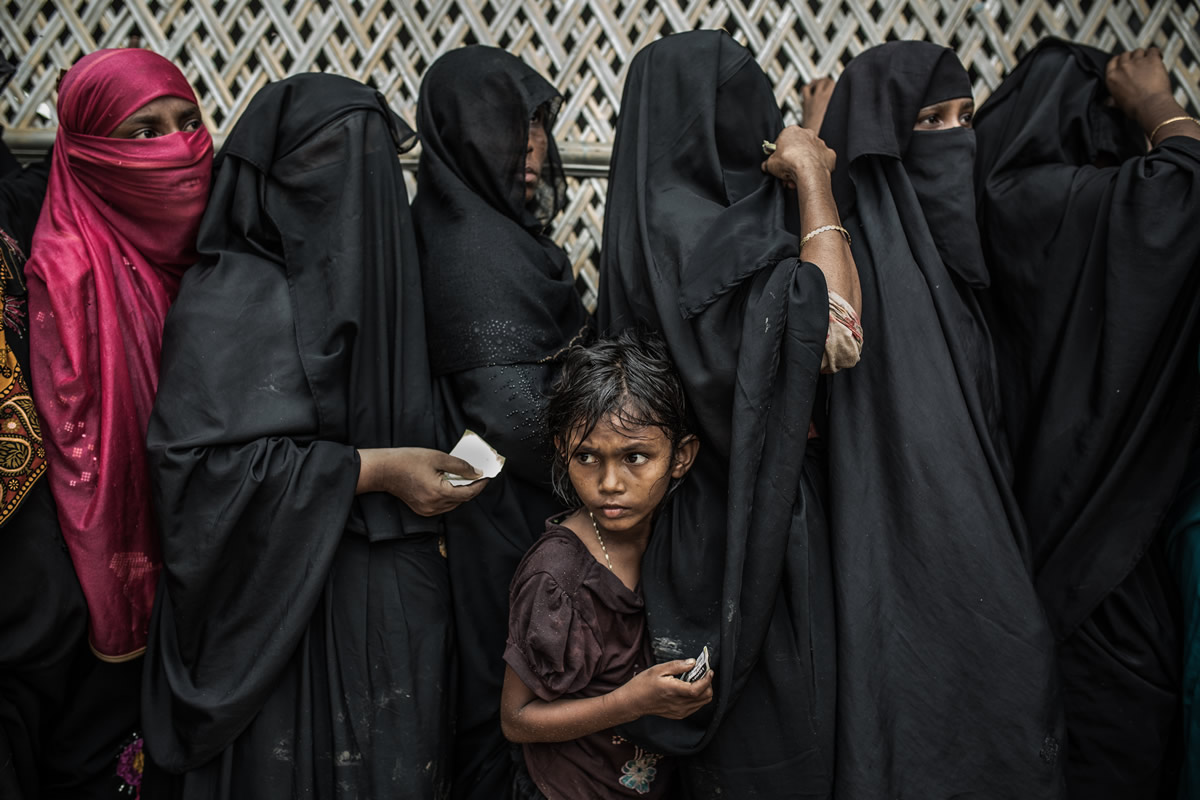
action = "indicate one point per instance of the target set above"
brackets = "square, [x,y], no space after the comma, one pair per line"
[578,658]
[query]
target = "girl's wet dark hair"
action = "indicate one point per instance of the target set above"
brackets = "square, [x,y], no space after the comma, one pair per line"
[630,377]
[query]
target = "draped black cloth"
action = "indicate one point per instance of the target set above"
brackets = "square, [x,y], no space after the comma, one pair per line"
[946,673]
[1093,248]
[498,290]
[703,246]
[501,302]
[22,190]
[301,639]
[43,619]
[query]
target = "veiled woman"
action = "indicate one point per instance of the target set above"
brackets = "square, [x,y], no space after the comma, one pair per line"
[946,671]
[129,179]
[701,244]
[301,641]
[1093,248]
[500,305]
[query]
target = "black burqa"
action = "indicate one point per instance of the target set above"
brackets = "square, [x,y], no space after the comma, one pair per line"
[500,304]
[946,674]
[301,638]
[703,246]
[1093,246]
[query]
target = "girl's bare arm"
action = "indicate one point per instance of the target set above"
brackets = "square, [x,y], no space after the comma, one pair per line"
[526,718]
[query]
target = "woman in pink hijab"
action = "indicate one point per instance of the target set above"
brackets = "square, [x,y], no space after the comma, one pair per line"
[128,183]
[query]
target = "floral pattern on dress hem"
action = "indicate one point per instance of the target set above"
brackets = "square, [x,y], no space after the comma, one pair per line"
[638,772]
[131,764]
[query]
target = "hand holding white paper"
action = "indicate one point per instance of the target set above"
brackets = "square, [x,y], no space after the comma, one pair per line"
[479,454]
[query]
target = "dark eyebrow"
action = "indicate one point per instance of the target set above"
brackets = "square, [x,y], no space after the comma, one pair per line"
[636,444]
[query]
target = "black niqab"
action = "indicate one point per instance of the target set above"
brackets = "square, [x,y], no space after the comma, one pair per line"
[701,245]
[298,628]
[878,121]
[946,672]
[504,292]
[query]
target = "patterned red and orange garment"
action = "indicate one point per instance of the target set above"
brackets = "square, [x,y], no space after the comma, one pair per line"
[22,455]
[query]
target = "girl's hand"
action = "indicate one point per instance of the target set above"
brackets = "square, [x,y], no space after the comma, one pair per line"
[659,691]
[800,158]
[416,475]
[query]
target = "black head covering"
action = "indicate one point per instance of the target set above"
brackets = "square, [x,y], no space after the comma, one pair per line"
[697,244]
[1094,315]
[298,338]
[498,290]
[689,214]
[940,633]
[360,323]
[892,83]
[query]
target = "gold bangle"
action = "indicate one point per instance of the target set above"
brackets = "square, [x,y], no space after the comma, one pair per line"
[1160,125]
[823,229]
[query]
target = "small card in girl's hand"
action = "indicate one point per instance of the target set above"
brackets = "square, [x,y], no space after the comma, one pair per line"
[698,671]
[479,454]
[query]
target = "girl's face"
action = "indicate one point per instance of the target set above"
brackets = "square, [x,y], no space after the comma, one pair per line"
[621,474]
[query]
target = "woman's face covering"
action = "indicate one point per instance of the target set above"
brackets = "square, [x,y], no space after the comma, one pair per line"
[954,113]
[535,153]
[939,164]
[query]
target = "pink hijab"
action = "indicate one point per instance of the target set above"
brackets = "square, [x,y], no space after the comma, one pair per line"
[116,232]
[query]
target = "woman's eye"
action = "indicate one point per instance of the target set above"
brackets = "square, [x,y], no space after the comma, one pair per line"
[585,458]
[932,120]
[192,125]
[144,133]
[637,458]
[966,119]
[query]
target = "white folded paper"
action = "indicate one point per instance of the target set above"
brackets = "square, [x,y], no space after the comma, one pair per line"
[479,454]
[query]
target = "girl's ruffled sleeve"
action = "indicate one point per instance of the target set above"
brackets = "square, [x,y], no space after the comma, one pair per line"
[552,645]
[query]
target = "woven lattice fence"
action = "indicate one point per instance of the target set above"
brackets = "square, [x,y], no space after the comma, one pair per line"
[231,48]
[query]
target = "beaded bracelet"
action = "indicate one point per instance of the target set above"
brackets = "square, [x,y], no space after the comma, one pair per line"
[808,237]
[1160,125]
